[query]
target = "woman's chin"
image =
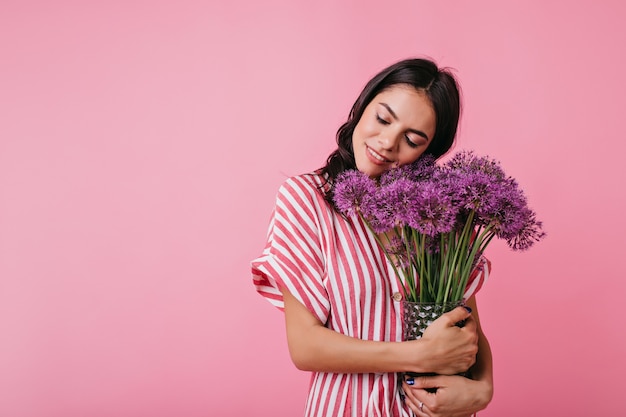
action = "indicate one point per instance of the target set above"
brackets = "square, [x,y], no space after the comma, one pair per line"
[372,170]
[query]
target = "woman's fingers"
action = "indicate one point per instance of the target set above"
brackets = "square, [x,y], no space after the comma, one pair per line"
[457,315]
[414,401]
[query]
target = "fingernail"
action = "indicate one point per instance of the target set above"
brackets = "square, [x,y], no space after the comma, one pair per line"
[469,309]
[410,380]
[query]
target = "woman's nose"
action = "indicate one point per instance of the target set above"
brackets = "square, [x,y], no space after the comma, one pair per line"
[388,141]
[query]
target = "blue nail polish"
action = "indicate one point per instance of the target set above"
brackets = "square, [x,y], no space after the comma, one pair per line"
[469,309]
[410,381]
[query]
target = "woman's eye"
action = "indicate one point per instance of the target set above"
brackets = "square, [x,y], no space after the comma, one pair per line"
[381,120]
[410,142]
[414,141]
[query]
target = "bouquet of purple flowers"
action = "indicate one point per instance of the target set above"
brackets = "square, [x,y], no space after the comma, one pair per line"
[435,221]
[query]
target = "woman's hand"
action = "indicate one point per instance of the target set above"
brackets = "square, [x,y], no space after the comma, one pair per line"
[450,349]
[456,396]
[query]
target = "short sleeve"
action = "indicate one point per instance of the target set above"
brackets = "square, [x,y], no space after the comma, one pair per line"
[479,276]
[292,258]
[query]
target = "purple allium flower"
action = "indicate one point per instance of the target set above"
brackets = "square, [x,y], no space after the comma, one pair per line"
[431,211]
[467,161]
[498,201]
[397,248]
[480,193]
[392,175]
[506,215]
[420,170]
[398,198]
[424,168]
[385,206]
[530,232]
[352,191]
[454,185]
[475,182]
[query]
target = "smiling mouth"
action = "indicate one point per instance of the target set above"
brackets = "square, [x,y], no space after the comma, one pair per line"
[377,156]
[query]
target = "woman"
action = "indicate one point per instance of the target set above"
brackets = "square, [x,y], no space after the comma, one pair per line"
[339,293]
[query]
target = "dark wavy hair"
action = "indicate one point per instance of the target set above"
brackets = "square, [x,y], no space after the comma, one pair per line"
[438,84]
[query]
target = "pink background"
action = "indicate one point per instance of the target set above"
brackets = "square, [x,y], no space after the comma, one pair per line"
[141,146]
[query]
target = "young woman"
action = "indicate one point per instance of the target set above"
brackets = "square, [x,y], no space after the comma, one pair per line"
[340,295]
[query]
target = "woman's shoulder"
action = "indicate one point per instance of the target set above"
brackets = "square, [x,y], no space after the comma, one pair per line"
[312,184]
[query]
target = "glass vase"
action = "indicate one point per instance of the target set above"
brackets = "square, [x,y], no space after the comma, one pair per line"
[417,316]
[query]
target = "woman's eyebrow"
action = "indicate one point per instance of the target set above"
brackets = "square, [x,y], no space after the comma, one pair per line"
[393,114]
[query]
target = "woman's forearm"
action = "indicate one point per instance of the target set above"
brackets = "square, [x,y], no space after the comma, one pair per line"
[314,347]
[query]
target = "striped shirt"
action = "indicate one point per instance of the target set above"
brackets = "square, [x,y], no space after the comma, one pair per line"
[335,267]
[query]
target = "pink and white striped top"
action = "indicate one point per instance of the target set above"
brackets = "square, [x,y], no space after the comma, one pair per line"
[335,267]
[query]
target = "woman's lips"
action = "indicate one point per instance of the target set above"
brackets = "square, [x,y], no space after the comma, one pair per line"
[375,157]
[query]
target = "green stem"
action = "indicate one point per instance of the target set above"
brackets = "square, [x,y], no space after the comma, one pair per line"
[386,252]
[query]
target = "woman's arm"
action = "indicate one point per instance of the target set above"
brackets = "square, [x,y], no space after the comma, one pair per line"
[455,396]
[444,348]
[483,368]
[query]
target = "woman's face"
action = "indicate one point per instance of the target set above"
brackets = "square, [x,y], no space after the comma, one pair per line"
[395,129]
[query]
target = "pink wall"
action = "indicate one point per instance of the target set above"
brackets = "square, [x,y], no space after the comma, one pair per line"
[142,143]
